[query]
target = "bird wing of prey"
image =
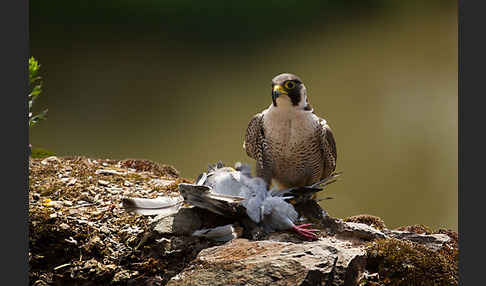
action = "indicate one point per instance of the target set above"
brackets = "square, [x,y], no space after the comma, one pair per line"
[164,206]
[203,197]
[328,148]
[256,147]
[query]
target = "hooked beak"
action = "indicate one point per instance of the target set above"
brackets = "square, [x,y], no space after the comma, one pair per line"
[276,92]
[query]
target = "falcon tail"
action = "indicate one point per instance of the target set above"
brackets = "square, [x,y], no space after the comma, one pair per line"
[305,192]
[159,206]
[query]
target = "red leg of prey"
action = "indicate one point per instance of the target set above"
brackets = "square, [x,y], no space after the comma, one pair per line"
[308,233]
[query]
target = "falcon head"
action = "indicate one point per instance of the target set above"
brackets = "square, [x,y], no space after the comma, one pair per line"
[288,90]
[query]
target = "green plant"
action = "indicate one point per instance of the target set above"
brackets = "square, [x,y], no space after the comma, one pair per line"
[35,87]
[41,153]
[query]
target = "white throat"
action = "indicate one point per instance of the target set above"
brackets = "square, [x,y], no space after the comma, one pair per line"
[284,102]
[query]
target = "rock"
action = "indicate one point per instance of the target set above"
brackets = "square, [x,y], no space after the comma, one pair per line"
[54,204]
[67,203]
[370,220]
[338,258]
[161,182]
[103,183]
[351,230]
[147,165]
[417,228]
[244,262]
[431,241]
[64,226]
[185,222]
[51,159]
[123,275]
[361,231]
[110,172]
[71,182]
[80,235]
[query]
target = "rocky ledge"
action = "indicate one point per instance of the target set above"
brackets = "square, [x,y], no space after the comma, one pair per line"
[79,234]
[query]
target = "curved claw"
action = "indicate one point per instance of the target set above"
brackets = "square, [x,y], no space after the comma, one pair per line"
[308,233]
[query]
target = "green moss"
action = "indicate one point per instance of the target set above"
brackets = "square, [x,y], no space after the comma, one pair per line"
[370,220]
[407,263]
[41,153]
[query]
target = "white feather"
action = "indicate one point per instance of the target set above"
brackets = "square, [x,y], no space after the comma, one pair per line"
[163,206]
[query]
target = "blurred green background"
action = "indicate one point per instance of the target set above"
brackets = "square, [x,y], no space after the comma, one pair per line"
[177,82]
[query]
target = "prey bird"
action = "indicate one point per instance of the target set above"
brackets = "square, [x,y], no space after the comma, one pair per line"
[232,192]
[292,146]
[222,187]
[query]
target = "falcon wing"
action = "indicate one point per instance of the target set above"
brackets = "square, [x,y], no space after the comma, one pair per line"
[255,147]
[328,147]
[253,135]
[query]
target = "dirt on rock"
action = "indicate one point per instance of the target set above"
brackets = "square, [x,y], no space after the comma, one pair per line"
[79,234]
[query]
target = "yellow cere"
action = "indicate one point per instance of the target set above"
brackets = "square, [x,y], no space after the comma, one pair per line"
[279,89]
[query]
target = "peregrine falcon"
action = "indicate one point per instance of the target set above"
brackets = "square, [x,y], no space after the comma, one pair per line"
[291,145]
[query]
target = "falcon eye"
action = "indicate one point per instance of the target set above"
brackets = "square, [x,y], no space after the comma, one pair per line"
[289,85]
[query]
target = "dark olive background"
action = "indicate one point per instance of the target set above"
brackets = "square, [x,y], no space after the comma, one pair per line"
[177,82]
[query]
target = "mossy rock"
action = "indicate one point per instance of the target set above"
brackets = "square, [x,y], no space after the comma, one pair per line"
[370,220]
[417,228]
[407,263]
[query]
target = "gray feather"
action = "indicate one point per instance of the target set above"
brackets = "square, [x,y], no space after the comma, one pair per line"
[278,214]
[244,169]
[201,179]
